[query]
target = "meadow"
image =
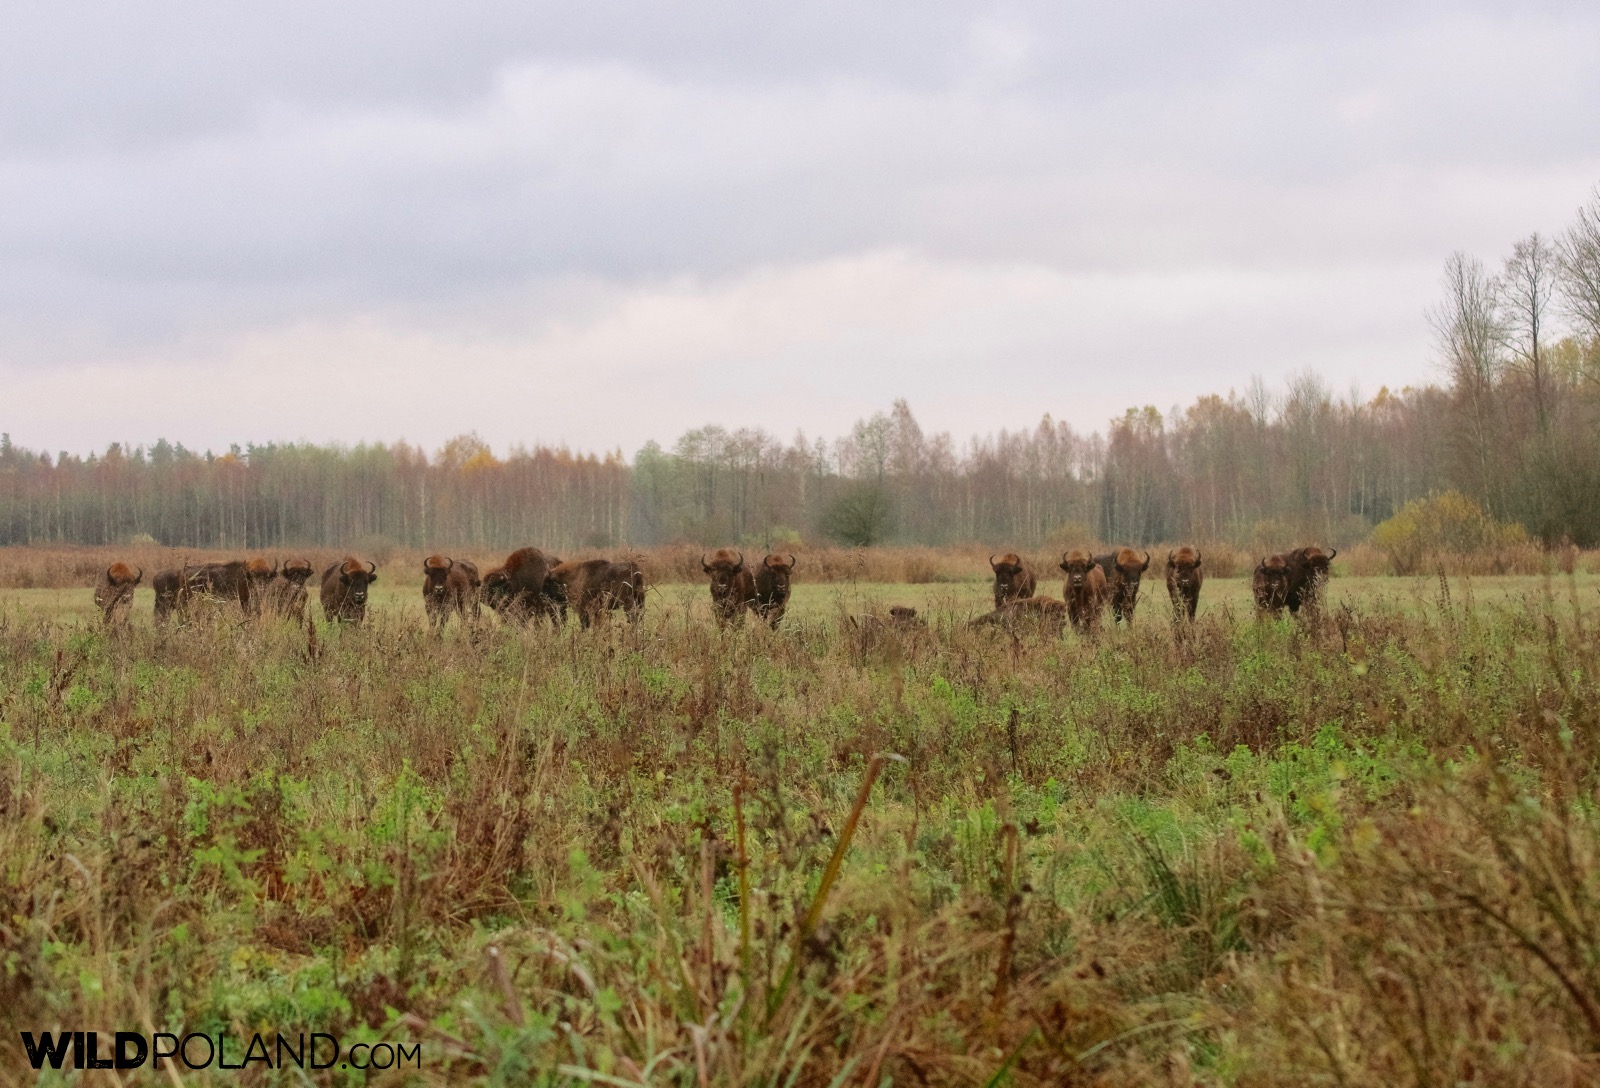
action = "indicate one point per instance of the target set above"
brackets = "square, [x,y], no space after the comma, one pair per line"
[1359,849]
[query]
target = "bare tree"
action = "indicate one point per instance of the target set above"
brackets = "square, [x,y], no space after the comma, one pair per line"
[1525,289]
[1472,338]
[1578,264]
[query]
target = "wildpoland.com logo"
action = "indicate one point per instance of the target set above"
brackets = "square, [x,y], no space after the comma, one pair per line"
[132,1050]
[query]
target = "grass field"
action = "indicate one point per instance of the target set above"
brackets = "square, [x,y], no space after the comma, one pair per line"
[1362,849]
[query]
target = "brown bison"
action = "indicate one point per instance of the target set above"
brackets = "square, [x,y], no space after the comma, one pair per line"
[1014,579]
[596,586]
[219,583]
[113,591]
[449,585]
[344,589]
[1042,613]
[1308,577]
[772,587]
[1085,590]
[168,585]
[1123,572]
[259,574]
[521,588]
[285,595]
[1184,579]
[733,586]
[1270,585]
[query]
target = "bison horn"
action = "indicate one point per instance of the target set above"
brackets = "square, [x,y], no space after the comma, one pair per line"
[1147,560]
[791,561]
[372,568]
[137,578]
[1333,553]
[741,560]
[991,563]
[703,564]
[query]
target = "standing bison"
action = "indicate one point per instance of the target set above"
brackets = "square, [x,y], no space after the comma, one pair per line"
[733,586]
[1085,590]
[521,587]
[596,586]
[113,591]
[1270,586]
[1014,579]
[449,585]
[259,575]
[1184,579]
[285,596]
[1308,577]
[1123,572]
[344,589]
[772,587]
[212,583]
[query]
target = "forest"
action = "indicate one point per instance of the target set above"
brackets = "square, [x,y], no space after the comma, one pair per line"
[1513,422]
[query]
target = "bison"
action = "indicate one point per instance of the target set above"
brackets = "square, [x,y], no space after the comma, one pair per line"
[1014,579]
[259,574]
[521,588]
[113,591]
[1085,590]
[1308,576]
[595,586]
[1123,572]
[168,585]
[733,586]
[449,585]
[772,587]
[1044,613]
[1184,579]
[220,583]
[344,589]
[1270,586]
[285,595]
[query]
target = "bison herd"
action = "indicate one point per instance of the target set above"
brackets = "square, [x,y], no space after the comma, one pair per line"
[531,585]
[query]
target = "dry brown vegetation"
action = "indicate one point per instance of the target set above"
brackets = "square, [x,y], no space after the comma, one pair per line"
[1360,850]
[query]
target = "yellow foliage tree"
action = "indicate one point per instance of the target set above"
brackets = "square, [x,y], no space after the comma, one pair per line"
[1447,523]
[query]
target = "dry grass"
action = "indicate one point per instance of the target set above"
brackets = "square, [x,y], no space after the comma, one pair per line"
[1360,850]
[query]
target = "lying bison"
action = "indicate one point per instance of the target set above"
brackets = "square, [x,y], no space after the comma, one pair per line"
[1085,590]
[596,586]
[344,589]
[449,585]
[772,587]
[733,585]
[1014,579]
[285,596]
[113,591]
[1270,586]
[1123,572]
[521,588]
[1045,614]
[1184,579]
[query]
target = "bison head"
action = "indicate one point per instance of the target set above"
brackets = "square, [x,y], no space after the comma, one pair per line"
[1317,559]
[357,576]
[296,571]
[725,565]
[1129,566]
[1077,563]
[1271,582]
[260,572]
[1183,567]
[116,586]
[435,571]
[496,589]
[778,570]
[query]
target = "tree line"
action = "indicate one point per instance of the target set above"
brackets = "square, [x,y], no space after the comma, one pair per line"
[1514,423]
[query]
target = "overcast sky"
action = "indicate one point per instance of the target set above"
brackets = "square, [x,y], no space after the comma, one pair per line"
[601,223]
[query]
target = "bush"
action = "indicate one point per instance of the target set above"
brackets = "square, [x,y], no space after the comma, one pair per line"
[1446,524]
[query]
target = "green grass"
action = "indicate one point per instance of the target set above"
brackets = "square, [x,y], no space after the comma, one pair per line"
[1363,849]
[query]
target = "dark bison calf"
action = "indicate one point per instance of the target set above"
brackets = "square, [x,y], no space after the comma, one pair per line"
[344,589]
[113,591]
[449,585]
[521,587]
[1085,590]
[1184,579]
[1014,579]
[772,587]
[596,586]
[733,586]
[1270,586]
[1123,572]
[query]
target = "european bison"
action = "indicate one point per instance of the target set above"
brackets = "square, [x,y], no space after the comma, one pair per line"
[168,585]
[259,574]
[521,588]
[1043,613]
[113,591]
[1014,579]
[449,585]
[772,587]
[285,595]
[733,586]
[344,589]
[1184,579]
[595,586]
[1270,585]
[1085,590]
[219,583]
[1308,576]
[1123,572]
